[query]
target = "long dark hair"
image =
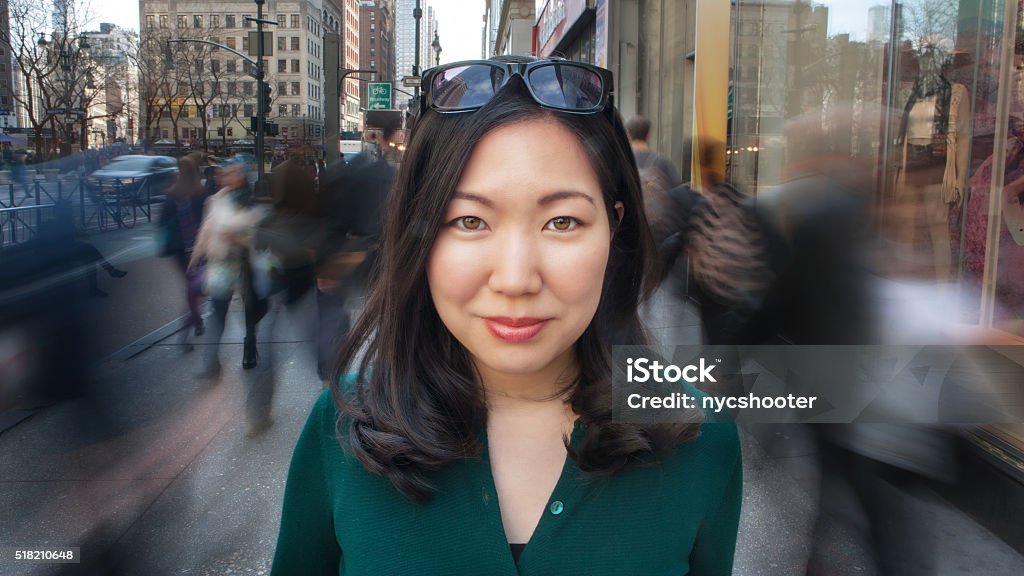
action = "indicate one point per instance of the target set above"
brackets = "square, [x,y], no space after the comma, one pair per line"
[415,405]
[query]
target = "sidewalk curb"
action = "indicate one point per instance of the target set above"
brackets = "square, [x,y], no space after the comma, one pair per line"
[153,338]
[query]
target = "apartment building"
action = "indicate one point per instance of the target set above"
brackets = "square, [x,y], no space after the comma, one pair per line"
[212,95]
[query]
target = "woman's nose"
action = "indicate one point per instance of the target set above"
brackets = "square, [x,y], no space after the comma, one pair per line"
[515,266]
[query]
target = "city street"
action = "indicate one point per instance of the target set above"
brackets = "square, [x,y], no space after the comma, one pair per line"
[158,476]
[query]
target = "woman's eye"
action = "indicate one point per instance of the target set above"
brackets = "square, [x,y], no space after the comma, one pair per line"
[471,223]
[563,223]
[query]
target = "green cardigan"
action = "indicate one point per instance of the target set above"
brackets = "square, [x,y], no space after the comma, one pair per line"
[677,517]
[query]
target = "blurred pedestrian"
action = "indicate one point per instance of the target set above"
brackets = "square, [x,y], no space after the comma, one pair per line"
[718,228]
[19,172]
[352,199]
[224,244]
[658,175]
[180,218]
[283,269]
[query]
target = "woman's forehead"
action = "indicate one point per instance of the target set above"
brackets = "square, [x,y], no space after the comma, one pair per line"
[530,161]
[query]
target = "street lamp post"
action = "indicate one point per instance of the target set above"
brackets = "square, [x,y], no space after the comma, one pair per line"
[436,45]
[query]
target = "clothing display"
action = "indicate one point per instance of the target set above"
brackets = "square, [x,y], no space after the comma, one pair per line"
[929,153]
[675,517]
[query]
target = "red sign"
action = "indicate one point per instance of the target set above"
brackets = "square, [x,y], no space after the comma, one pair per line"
[554,22]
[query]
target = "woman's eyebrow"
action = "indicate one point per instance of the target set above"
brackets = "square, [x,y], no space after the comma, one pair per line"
[563,195]
[472,198]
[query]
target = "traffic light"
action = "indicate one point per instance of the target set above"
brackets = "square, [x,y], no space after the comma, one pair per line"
[267,98]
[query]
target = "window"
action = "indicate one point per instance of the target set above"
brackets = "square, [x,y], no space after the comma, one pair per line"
[229,20]
[197,21]
[295,20]
[295,110]
[282,66]
[182,21]
[295,66]
[214,20]
[232,86]
[247,110]
[295,89]
[247,90]
[150,21]
[295,43]
[231,42]
[282,21]
[282,110]
[214,66]
[373,64]
[163,20]
[163,133]
[231,66]
[225,111]
[282,43]
[246,23]
[245,43]
[231,131]
[220,131]
[373,51]
[282,88]
[372,38]
[184,111]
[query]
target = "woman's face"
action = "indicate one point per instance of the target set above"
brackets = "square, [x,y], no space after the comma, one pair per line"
[516,271]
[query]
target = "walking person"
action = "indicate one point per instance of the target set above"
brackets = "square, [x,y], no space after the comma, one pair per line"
[180,218]
[658,175]
[353,199]
[224,244]
[473,433]
[20,172]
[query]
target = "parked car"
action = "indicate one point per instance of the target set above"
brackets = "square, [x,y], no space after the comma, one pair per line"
[150,175]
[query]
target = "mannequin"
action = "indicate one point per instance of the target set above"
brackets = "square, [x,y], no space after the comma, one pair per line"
[932,170]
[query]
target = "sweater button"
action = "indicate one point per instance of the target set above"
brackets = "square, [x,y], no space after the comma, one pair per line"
[557,507]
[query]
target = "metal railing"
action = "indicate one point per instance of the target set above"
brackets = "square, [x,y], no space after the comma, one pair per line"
[99,205]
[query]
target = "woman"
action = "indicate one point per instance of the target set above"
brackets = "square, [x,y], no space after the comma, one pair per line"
[224,242]
[180,218]
[476,436]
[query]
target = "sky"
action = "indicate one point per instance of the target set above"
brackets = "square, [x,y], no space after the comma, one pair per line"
[460,23]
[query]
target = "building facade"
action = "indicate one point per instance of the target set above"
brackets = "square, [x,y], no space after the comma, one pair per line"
[350,54]
[515,28]
[492,13]
[405,38]
[113,113]
[208,97]
[376,48]
[8,116]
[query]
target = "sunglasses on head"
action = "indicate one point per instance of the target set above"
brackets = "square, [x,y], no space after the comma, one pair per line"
[557,84]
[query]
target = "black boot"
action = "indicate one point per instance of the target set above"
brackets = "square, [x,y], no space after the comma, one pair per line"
[249,353]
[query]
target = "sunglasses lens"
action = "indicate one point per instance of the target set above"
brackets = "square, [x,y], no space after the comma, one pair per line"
[567,87]
[462,87]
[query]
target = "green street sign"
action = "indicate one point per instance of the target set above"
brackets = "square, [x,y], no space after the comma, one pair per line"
[378,96]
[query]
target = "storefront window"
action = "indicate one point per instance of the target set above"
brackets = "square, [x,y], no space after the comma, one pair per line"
[926,97]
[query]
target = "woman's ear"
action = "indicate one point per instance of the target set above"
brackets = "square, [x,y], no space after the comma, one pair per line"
[619,211]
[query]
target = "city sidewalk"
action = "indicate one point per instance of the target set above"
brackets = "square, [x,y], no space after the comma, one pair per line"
[160,477]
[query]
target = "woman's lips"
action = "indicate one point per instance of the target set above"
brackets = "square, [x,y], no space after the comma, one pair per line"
[514,329]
